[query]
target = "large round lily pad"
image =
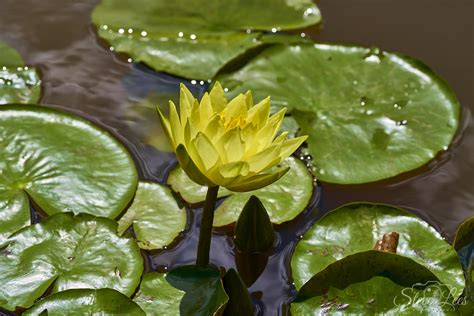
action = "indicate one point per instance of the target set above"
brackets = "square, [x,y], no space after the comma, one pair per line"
[62,163]
[379,296]
[66,252]
[369,114]
[283,199]
[86,302]
[357,227]
[156,217]
[162,33]
[18,83]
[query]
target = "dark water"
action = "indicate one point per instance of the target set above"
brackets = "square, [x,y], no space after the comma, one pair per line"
[79,74]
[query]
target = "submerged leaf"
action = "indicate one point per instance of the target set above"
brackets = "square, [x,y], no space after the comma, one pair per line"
[239,303]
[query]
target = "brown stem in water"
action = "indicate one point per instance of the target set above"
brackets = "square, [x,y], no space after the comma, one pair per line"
[205,233]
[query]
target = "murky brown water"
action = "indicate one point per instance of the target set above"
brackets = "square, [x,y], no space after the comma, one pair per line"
[80,75]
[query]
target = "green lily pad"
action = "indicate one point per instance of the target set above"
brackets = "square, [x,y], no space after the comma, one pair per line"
[464,234]
[379,296]
[157,297]
[283,199]
[86,302]
[156,217]
[18,83]
[161,33]
[338,235]
[205,294]
[62,163]
[66,252]
[369,114]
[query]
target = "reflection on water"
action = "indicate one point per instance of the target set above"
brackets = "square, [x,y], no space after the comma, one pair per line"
[82,75]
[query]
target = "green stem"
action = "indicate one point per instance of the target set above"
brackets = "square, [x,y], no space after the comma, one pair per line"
[205,232]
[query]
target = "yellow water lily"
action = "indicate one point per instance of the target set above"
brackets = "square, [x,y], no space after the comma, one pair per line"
[228,143]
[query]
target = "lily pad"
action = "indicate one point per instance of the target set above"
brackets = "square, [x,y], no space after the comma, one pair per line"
[338,235]
[369,114]
[379,296]
[161,33]
[18,83]
[86,302]
[62,163]
[66,252]
[157,297]
[205,294]
[464,234]
[156,217]
[283,200]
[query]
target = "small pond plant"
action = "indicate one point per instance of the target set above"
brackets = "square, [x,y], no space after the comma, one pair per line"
[230,144]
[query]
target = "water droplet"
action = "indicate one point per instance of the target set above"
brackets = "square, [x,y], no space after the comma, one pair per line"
[445,147]
[209,80]
[226,89]
[165,247]
[19,69]
[300,236]
[248,31]
[254,40]
[309,11]
[374,56]
[121,31]
[193,81]
[4,68]
[180,34]
[193,36]
[274,30]
[143,33]
[26,68]
[111,48]
[400,104]
[303,35]
[363,101]
[354,82]
[201,82]
[402,123]
[369,112]
[129,60]
[104,27]
[130,31]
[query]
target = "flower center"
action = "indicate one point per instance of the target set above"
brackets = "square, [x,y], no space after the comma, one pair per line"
[233,121]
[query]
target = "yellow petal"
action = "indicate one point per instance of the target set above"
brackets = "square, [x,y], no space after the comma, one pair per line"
[257,182]
[206,150]
[248,99]
[236,107]
[290,145]
[190,167]
[234,169]
[268,132]
[262,160]
[234,146]
[205,109]
[175,124]
[259,113]
[186,100]
[218,99]
[166,128]
[280,138]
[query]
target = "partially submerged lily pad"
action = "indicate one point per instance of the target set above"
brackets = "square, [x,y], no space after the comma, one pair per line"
[379,295]
[86,302]
[156,217]
[18,82]
[283,199]
[369,114]
[338,235]
[161,33]
[62,163]
[157,297]
[66,252]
